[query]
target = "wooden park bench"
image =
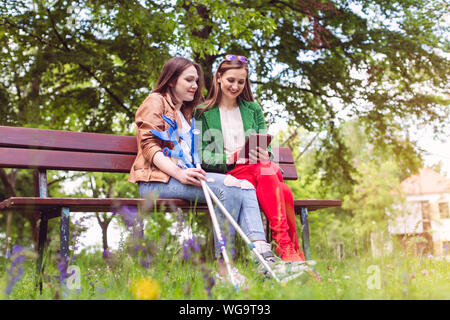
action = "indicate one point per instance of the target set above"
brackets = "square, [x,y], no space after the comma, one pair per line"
[44,150]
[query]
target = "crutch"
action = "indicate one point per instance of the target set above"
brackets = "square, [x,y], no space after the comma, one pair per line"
[196,160]
[243,235]
[172,135]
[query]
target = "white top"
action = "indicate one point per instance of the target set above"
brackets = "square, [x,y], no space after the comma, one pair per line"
[232,129]
[185,145]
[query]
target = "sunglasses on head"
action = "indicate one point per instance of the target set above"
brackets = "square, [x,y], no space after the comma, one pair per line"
[231,57]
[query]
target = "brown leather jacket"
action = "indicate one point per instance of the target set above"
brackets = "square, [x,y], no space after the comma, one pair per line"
[149,116]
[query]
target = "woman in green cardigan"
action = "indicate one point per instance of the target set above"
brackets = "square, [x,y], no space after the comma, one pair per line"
[228,116]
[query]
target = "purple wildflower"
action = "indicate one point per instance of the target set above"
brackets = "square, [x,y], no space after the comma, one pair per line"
[147,261]
[208,280]
[106,254]
[63,264]
[16,249]
[129,215]
[190,246]
[16,270]
[18,261]
[180,216]
[109,257]
[92,282]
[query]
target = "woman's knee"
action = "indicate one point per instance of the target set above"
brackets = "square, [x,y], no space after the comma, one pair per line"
[268,168]
[229,188]
[231,181]
[145,189]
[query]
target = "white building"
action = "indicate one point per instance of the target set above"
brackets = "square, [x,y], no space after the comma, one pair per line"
[426,212]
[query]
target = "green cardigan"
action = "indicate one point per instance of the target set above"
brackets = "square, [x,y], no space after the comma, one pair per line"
[213,155]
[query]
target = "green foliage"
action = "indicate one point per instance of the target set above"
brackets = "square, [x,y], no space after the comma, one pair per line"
[83,64]
[400,276]
[87,65]
[375,190]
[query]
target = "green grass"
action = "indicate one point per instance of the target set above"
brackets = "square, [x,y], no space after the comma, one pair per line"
[400,277]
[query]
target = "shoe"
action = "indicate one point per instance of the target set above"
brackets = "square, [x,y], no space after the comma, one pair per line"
[284,270]
[265,250]
[294,271]
[238,278]
[288,253]
[287,270]
[271,261]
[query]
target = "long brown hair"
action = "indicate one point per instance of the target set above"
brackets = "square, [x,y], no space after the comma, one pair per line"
[215,93]
[172,69]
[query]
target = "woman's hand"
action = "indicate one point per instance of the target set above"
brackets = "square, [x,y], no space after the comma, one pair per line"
[258,154]
[191,176]
[232,158]
[185,176]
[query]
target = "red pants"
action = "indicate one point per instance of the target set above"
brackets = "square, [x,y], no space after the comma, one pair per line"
[275,198]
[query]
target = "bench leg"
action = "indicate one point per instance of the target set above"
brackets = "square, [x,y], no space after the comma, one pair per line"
[43,224]
[305,235]
[64,233]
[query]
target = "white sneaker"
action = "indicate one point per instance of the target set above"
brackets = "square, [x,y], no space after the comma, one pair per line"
[285,270]
[238,278]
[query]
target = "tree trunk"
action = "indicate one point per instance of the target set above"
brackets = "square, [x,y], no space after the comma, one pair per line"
[204,60]
[105,238]
[8,225]
[9,184]
[104,225]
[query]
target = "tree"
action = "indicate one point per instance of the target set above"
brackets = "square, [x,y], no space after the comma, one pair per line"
[106,185]
[86,65]
[375,192]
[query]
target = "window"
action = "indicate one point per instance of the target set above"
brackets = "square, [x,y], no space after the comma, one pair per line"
[443,210]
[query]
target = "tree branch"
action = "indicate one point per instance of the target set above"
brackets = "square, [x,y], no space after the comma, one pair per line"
[293,135]
[296,88]
[87,69]
[9,188]
[307,147]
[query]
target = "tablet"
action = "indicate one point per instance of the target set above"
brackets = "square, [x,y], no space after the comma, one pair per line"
[255,140]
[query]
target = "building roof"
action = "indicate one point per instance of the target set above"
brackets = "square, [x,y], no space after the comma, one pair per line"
[426,181]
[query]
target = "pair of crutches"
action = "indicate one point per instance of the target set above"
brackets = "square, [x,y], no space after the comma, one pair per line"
[172,135]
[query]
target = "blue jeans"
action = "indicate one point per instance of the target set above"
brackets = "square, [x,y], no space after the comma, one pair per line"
[240,201]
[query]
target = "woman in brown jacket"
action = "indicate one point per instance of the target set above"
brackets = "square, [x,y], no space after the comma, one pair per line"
[177,92]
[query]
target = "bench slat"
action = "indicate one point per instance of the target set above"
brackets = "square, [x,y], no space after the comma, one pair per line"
[88,204]
[17,137]
[314,204]
[32,204]
[63,160]
[289,171]
[282,155]
[66,140]
[82,161]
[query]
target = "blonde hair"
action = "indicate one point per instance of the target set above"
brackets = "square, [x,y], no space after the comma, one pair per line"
[215,93]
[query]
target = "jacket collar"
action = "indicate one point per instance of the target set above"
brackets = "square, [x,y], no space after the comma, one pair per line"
[169,100]
[247,115]
[212,116]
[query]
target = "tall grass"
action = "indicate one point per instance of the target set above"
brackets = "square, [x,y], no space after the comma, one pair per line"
[154,264]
